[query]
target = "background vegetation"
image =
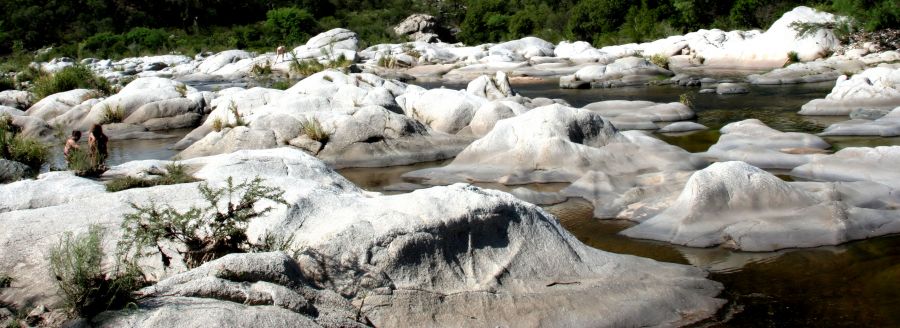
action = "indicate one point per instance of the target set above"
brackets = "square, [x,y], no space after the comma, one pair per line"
[112,29]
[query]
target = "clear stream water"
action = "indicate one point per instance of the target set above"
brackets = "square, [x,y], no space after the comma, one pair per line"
[855,284]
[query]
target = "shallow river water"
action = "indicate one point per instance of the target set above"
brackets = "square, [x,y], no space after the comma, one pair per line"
[855,284]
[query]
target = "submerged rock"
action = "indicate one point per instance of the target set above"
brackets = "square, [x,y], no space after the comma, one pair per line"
[730,89]
[682,127]
[739,206]
[754,142]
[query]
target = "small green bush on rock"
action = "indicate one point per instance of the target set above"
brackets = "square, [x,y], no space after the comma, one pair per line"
[204,234]
[77,265]
[16,147]
[70,78]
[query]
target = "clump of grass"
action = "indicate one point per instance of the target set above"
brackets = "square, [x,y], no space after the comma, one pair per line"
[307,67]
[201,233]
[175,174]
[282,85]
[261,70]
[25,150]
[112,114]
[81,163]
[387,61]
[686,99]
[217,124]
[792,57]
[238,120]
[76,263]
[70,78]
[660,60]
[313,129]
[181,88]
[7,83]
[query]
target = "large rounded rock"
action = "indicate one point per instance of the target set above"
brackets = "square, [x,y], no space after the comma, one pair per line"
[16,99]
[423,257]
[555,144]
[855,164]
[740,206]
[640,115]
[885,126]
[877,88]
[445,110]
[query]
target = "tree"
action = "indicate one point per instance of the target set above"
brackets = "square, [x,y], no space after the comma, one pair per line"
[291,24]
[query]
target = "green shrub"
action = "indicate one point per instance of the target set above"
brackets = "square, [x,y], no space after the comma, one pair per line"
[282,85]
[660,60]
[81,163]
[291,24]
[6,83]
[70,78]
[312,129]
[76,263]
[306,67]
[16,147]
[202,233]
[792,57]
[175,174]
[112,114]
[142,39]
[104,44]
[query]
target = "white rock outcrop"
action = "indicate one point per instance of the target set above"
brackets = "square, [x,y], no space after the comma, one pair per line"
[754,142]
[739,206]
[876,88]
[556,143]
[877,164]
[435,256]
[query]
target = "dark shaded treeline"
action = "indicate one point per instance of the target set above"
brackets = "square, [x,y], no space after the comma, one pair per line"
[115,28]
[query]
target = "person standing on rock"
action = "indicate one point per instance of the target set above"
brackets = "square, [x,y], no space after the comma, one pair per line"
[279,52]
[72,144]
[97,142]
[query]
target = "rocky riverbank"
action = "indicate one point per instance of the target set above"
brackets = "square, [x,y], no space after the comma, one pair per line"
[448,253]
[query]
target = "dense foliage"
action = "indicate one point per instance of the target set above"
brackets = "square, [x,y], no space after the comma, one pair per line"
[81,28]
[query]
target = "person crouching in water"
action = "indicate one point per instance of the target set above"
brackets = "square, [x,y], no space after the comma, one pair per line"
[72,144]
[97,143]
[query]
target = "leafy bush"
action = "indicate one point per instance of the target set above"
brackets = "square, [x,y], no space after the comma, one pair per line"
[104,44]
[16,147]
[175,174]
[141,39]
[203,234]
[81,163]
[590,18]
[660,60]
[307,67]
[238,120]
[77,265]
[312,129]
[112,114]
[6,83]
[291,24]
[282,85]
[792,57]
[70,78]
[261,70]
